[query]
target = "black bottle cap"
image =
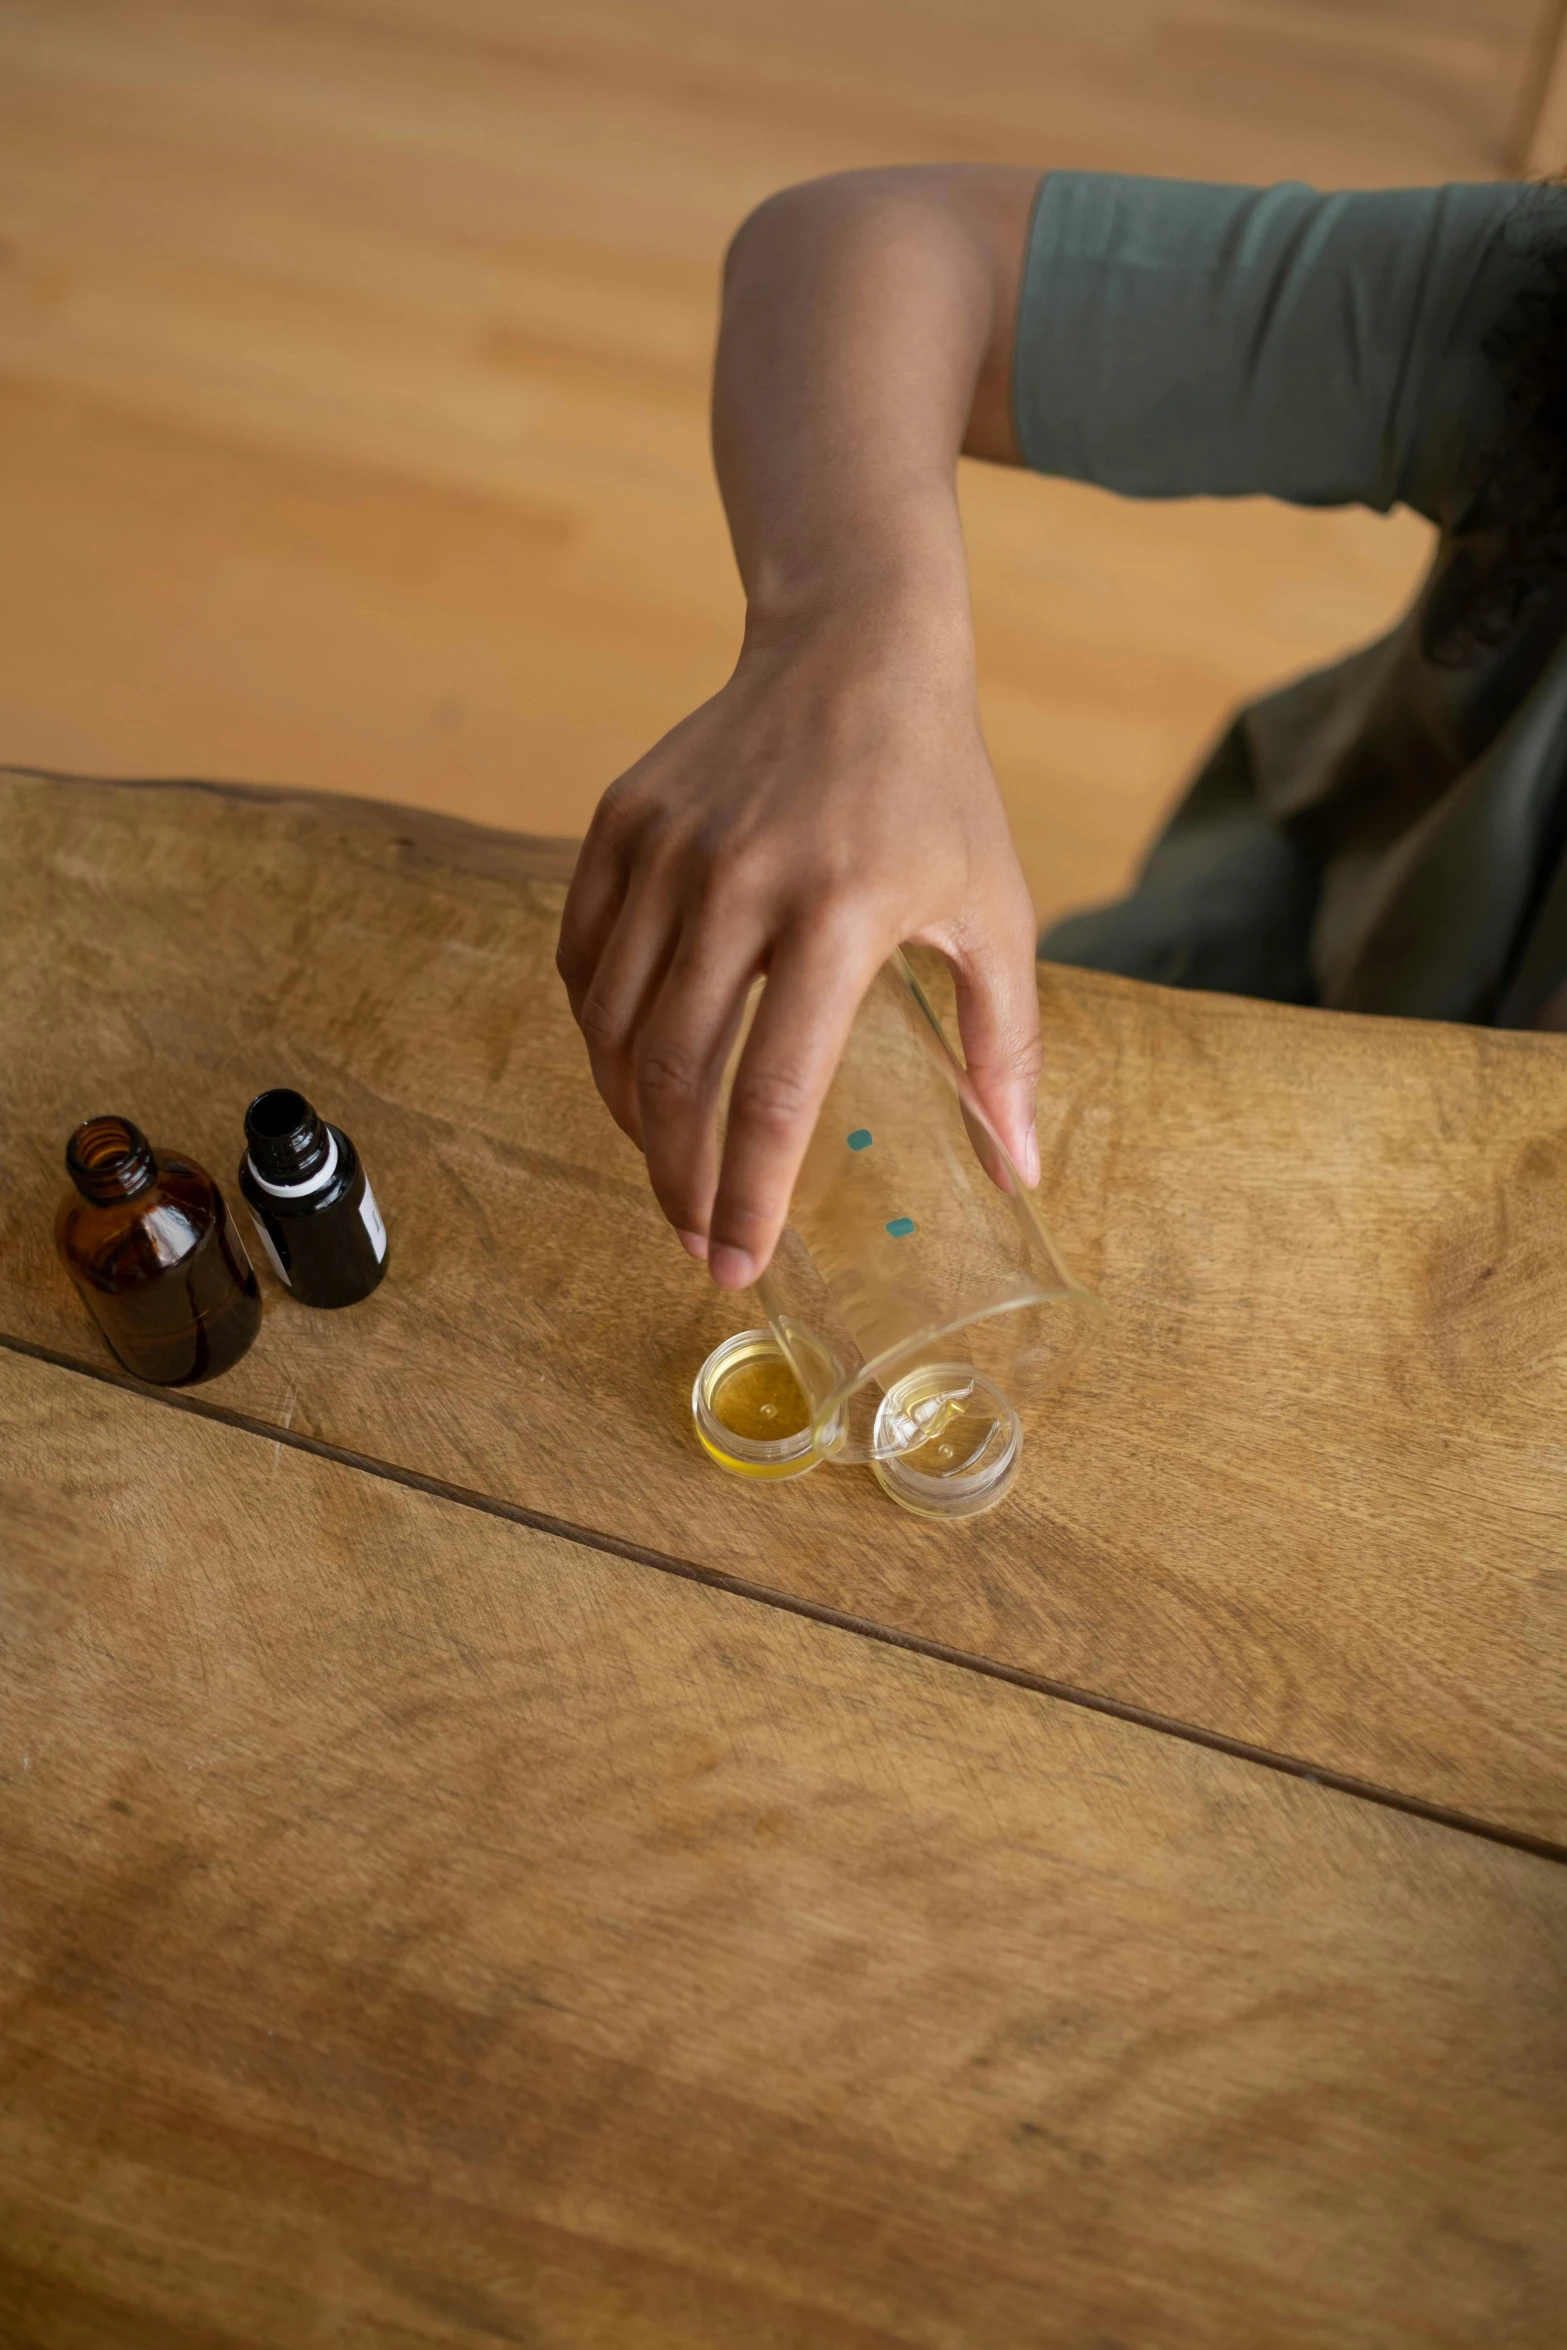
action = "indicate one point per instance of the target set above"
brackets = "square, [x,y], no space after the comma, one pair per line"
[109,1159]
[287,1142]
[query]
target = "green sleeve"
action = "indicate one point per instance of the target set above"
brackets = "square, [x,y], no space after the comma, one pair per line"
[1176,339]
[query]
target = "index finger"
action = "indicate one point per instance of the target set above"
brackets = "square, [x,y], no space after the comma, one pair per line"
[815,982]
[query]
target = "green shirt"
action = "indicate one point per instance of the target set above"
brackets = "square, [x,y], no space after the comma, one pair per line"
[1386,835]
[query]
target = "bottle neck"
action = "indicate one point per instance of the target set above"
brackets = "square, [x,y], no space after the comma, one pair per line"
[291,1150]
[109,1159]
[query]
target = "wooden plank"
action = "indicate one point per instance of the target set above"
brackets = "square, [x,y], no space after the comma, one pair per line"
[1309,1494]
[419,1930]
[387,326]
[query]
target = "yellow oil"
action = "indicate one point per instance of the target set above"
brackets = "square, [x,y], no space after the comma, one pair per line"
[760,1401]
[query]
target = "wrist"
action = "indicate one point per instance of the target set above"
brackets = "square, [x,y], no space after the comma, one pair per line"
[888,589]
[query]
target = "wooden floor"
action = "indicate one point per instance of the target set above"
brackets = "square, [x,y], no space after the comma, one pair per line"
[353,357]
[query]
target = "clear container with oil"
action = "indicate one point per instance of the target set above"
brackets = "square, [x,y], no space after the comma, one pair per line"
[750,1413]
[916,1296]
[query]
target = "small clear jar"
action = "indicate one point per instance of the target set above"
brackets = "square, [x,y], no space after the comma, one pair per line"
[968,1460]
[749,1413]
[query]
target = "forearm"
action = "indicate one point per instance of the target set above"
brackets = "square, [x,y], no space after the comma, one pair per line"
[866,341]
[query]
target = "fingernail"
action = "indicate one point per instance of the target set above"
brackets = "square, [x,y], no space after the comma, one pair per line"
[730,1268]
[694,1244]
[1028,1164]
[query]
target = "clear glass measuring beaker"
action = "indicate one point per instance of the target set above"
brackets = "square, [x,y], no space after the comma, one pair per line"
[916,1293]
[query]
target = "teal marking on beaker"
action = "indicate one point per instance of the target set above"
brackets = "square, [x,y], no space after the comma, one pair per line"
[861,1139]
[900,1227]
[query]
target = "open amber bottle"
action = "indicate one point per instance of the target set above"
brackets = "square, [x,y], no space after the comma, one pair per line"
[148,1240]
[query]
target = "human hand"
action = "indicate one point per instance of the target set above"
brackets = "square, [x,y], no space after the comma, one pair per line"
[832,802]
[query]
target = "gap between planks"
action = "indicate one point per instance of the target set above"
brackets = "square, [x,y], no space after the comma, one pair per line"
[862,1627]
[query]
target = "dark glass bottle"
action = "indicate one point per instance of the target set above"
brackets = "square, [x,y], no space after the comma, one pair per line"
[149,1242]
[310,1201]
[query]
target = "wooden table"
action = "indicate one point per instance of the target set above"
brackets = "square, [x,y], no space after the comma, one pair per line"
[470,1874]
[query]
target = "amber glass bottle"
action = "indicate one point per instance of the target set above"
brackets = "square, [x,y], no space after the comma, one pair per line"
[148,1241]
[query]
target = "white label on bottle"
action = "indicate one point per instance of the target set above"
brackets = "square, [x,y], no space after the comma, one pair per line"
[372,1220]
[267,1242]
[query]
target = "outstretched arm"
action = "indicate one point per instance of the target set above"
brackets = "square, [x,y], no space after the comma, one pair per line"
[835,797]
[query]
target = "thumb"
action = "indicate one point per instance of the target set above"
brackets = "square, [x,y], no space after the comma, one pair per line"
[998,1021]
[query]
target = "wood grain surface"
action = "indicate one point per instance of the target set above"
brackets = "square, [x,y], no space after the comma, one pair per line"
[353,373]
[1309,1493]
[422,1931]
